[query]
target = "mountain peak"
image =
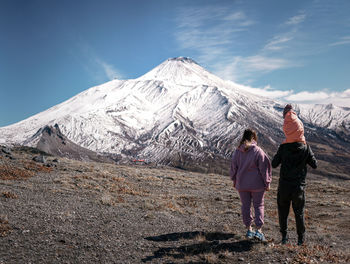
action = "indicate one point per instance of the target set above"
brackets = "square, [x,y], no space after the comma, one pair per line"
[182,71]
[182,59]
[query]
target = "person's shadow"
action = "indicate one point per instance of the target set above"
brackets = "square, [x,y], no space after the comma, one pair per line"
[205,242]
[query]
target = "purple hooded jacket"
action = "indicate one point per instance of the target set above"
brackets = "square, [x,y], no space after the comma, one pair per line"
[250,169]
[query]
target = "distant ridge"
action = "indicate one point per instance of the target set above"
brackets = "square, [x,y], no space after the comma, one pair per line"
[52,141]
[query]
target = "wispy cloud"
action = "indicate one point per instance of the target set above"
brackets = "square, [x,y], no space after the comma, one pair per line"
[263,64]
[266,91]
[276,43]
[97,68]
[217,33]
[342,41]
[295,20]
[321,97]
[109,70]
[245,67]
[303,97]
[221,36]
[209,28]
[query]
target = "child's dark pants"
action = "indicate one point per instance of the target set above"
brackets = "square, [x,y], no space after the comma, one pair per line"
[296,196]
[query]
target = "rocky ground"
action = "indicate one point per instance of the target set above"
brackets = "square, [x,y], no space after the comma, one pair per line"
[56,210]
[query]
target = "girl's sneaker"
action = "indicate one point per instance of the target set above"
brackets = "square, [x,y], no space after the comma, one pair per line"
[249,234]
[260,236]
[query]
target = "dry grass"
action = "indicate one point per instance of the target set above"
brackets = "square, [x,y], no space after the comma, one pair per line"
[210,258]
[107,199]
[130,191]
[32,166]
[5,227]
[200,238]
[8,172]
[21,171]
[315,253]
[186,201]
[8,194]
[170,205]
[319,253]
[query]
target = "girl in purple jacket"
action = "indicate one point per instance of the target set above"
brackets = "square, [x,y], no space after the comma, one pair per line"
[251,175]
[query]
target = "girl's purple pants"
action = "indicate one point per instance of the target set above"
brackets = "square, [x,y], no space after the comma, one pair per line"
[258,204]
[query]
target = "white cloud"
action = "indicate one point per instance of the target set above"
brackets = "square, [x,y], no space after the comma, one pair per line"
[266,91]
[213,32]
[307,96]
[239,18]
[295,20]
[235,16]
[320,97]
[239,68]
[343,41]
[275,42]
[94,65]
[208,29]
[264,64]
[303,97]
[109,70]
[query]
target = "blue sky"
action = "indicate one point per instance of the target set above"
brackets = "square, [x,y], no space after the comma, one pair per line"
[295,51]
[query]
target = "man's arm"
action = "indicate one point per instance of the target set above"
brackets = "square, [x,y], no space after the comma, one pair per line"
[277,158]
[311,160]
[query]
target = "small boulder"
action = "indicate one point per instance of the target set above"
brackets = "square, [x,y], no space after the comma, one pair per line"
[40,158]
[6,150]
[10,157]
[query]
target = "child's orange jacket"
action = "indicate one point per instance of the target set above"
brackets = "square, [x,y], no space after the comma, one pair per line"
[293,128]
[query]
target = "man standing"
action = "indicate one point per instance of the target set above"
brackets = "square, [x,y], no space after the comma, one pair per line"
[293,155]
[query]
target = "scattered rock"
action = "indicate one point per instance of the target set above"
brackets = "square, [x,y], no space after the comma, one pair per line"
[6,150]
[10,156]
[55,160]
[40,158]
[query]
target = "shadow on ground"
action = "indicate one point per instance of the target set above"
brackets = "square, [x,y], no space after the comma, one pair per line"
[205,242]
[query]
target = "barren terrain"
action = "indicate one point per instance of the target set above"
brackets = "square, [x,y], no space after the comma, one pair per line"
[66,211]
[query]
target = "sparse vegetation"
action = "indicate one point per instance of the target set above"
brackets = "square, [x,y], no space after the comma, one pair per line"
[99,213]
[10,195]
[5,227]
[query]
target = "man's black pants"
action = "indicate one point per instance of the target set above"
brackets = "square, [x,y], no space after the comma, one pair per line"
[296,196]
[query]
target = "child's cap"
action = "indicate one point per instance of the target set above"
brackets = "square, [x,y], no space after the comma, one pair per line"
[286,109]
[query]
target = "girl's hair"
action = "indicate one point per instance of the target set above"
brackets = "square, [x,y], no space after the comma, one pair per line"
[248,135]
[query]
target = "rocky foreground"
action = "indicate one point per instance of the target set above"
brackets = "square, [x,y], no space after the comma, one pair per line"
[56,210]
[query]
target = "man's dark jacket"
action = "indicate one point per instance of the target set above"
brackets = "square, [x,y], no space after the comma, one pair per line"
[293,158]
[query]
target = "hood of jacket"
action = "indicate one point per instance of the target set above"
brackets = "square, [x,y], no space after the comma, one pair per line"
[247,147]
[293,128]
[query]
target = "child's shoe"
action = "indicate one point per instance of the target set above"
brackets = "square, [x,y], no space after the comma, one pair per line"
[301,240]
[250,234]
[260,236]
[284,239]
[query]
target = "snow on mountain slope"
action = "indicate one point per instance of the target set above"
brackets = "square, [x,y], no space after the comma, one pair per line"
[182,71]
[327,116]
[176,109]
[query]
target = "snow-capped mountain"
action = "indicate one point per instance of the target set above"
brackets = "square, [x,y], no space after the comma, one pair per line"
[327,116]
[176,111]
